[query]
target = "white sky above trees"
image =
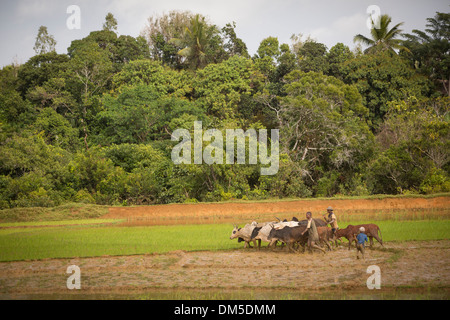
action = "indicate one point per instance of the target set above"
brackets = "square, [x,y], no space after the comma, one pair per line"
[327,21]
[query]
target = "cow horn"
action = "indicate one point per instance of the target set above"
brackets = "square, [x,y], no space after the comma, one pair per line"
[278,218]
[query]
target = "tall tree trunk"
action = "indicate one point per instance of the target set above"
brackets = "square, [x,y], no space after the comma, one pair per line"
[85,134]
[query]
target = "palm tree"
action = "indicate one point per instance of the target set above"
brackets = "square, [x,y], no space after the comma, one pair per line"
[429,49]
[195,41]
[383,38]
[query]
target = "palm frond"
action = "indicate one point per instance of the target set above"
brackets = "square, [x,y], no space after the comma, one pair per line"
[363,39]
[422,36]
[186,52]
[177,42]
[394,32]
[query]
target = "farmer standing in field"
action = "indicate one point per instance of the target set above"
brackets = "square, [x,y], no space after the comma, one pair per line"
[332,220]
[361,239]
[313,235]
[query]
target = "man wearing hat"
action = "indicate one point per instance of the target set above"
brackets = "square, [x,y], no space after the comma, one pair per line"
[332,220]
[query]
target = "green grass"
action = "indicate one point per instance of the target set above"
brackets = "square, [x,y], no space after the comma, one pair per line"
[59,223]
[340,197]
[70,211]
[64,242]
[99,240]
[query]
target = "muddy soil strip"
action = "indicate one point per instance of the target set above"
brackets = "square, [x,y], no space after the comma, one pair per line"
[419,264]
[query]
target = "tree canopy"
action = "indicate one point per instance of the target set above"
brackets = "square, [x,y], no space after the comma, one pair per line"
[96,124]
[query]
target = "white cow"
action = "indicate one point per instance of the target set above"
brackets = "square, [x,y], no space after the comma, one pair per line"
[244,233]
[265,230]
[281,225]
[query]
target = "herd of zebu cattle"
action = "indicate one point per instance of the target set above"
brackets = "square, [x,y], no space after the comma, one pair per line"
[291,233]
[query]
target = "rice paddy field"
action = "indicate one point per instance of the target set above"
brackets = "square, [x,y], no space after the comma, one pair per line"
[64,239]
[157,255]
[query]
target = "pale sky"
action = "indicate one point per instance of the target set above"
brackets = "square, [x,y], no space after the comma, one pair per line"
[327,21]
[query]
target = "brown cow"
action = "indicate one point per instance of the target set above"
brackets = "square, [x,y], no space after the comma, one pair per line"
[325,236]
[372,231]
[349,233]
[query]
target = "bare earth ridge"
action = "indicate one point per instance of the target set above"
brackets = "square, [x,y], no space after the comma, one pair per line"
[419,265]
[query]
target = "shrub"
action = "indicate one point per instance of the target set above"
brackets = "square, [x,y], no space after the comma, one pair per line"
[435,181]
[83,196]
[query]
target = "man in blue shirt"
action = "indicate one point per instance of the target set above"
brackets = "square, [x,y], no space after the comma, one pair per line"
[361,239]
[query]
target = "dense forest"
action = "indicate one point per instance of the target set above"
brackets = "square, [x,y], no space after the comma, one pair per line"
[94,125]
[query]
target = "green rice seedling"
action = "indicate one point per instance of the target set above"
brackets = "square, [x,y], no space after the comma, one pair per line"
[91,240]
